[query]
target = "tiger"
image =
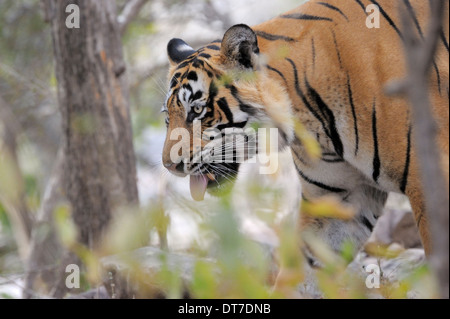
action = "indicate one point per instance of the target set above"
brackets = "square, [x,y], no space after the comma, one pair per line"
[320,65]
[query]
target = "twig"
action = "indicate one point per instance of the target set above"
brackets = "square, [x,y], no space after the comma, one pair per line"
[130,11]
[14,201]
[419,57]
[46,249]
[48,10]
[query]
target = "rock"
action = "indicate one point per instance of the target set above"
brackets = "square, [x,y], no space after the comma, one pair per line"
[406,233]
[393,271]
[133,275]
[99,293]
[396,226]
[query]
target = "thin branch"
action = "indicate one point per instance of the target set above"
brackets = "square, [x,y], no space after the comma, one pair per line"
[130,11]
[14,194]
[46,249]
[420,55]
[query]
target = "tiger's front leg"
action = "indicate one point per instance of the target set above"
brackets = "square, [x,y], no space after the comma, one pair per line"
[332,176]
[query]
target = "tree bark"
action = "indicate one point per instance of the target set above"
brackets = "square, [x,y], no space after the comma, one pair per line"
[99,173]
[93,98]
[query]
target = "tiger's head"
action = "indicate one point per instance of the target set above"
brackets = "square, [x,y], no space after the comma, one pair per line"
[220,86]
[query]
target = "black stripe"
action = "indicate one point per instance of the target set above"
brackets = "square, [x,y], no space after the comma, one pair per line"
[213,90]
[319,184]
[221,127]
[419,220]
[355,119]
[333,132]
[197,96]
[240,124]
[213,47]
[209,116]
[274,37]
[337,48]
[182,65]
[366,222]
[223,104]
[311,261]
[335,160]
[376,156]
[242,106]
[247,109]
[279,73]
[362,6]
[179,104]
[192,76]
[438,76]
[198,63]
[388,18]
[329,6]
[303,97]
[444,40]
[187,87]
[210,103]
[404,182]
[173,83]
[412,13]
[301,16]
[204,55]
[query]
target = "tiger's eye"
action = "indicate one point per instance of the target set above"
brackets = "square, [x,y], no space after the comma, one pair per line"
[198,109]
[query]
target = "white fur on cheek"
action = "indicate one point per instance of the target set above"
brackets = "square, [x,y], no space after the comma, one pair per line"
[198,85]
[239,116]
[184,98]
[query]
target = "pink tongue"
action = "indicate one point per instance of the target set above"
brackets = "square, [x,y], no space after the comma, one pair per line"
[198,184]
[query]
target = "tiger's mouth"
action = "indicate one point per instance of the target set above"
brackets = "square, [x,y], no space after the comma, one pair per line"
[217,180]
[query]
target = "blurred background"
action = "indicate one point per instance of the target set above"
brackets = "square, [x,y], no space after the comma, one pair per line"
[28,103]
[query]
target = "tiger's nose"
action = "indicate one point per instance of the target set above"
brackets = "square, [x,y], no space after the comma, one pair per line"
[175,168]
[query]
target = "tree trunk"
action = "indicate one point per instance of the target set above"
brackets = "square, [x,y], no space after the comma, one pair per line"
[99,160]
[93,98]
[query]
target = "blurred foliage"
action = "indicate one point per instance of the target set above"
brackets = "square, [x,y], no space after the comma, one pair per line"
[4,221]
[32,192]
[231,265]
[23,78]
[311,145]
[327,207]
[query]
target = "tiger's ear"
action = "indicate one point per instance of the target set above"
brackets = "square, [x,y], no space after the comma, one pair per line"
[178,51]
[240,46]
